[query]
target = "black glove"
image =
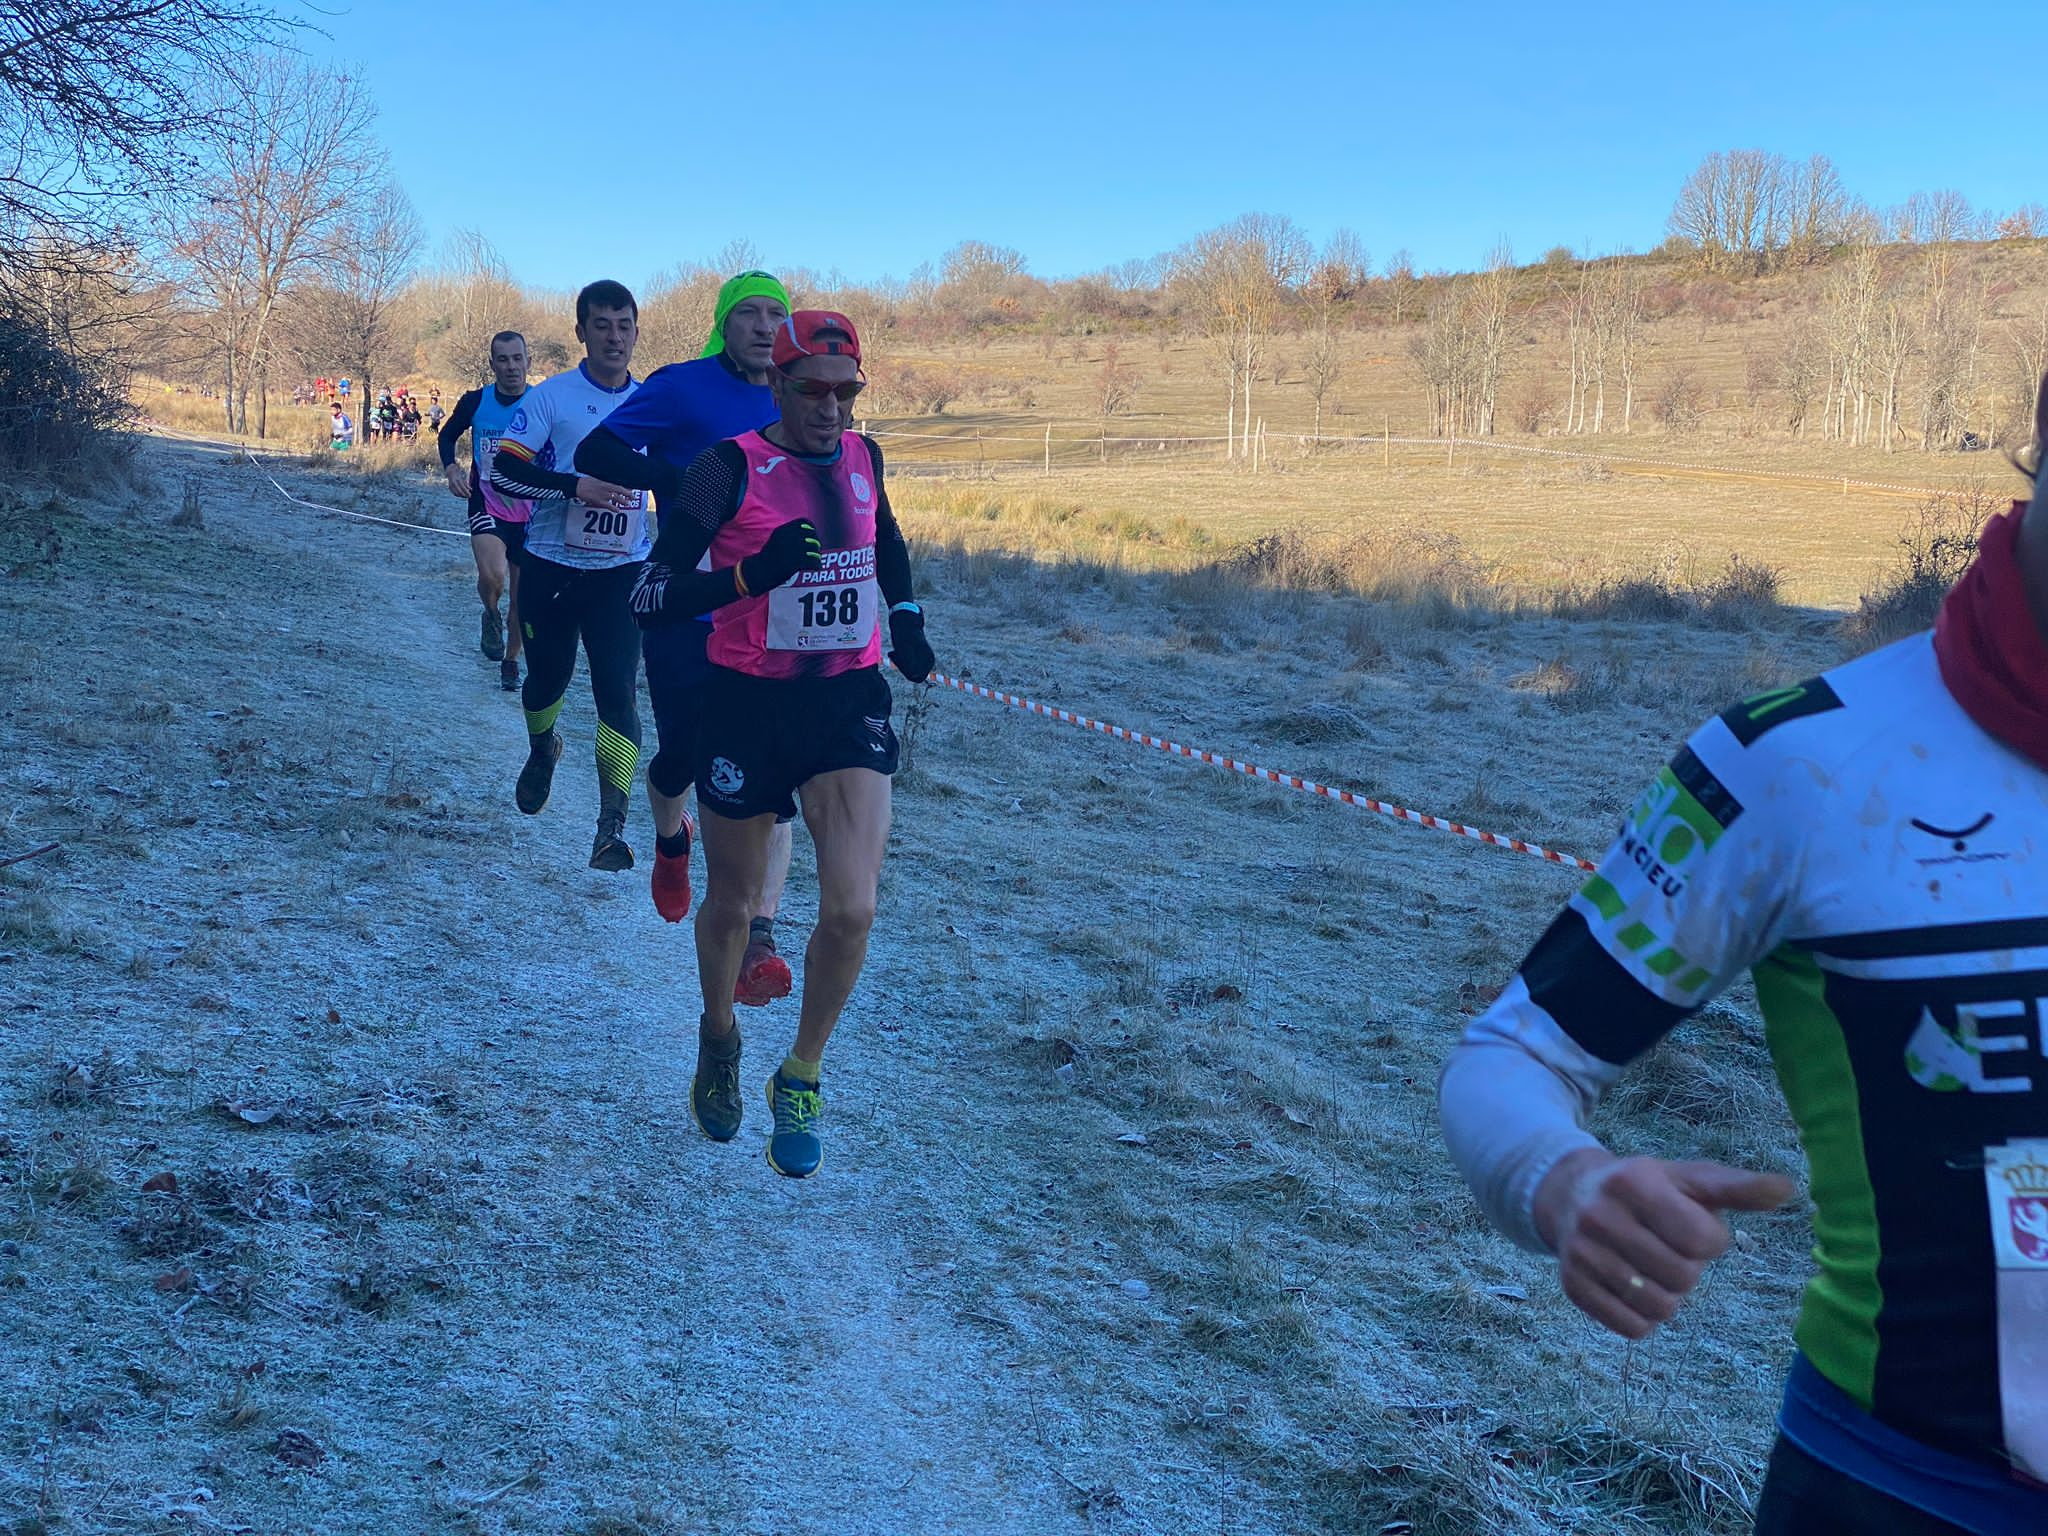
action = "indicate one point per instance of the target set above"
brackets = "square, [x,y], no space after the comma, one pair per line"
[791,548]
[909,649]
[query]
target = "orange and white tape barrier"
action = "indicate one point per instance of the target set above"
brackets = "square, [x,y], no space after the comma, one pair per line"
[1270,775]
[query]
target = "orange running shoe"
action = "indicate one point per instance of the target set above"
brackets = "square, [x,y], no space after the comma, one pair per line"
[764,975]
[672,878]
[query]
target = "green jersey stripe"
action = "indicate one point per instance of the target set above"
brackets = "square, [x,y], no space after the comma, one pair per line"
[1838,1319]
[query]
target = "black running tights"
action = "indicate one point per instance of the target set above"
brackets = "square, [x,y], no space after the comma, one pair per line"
[557,605]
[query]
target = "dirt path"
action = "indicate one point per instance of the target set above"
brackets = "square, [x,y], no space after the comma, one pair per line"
[645,1319]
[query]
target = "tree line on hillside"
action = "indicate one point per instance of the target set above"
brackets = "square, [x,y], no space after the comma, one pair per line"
[197,199]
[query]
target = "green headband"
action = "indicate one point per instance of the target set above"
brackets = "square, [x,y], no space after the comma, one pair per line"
[735,292]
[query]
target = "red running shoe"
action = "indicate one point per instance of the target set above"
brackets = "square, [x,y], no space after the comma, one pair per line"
[764,976]
[672,878]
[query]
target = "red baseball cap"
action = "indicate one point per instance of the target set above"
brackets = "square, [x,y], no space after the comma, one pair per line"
[797,337]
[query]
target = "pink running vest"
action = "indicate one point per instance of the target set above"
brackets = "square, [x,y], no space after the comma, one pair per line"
[820,623]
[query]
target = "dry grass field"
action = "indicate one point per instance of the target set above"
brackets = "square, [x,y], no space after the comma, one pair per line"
[347,1181]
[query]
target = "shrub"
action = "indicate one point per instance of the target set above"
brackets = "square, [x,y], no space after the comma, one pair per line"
[55,405]
[913,389]
[1935,547]
[1681,404]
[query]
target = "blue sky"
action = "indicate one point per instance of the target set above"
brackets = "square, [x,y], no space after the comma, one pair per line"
[618,138]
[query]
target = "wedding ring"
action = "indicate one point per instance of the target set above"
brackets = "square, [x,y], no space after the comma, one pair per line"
[1635,1282]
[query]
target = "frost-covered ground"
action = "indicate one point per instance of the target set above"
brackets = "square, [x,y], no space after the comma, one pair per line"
[1133,1218]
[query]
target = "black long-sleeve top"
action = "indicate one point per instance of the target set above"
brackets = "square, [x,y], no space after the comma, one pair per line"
[458,423]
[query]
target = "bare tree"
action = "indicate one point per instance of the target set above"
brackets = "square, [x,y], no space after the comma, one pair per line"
[1578,338]
[2029,221]
[1492,295]
[1401,283]
[345,319]
[976,272]
[676,311]
[1624,332]
[1341,271]
[1802,373]
[1116,386]
[1848,314]
[1238,277]
[1815,209]
[1461,351]
[1892,346]
[1321,365]
[102,101]
[1952,338]
[288,167]
[1733,209]
[466,301]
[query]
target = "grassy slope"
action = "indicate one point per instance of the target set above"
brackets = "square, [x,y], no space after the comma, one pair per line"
[281,788]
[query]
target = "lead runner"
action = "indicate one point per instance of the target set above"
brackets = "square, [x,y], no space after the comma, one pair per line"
[805,551]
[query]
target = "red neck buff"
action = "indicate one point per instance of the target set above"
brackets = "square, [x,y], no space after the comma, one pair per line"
[1991,652]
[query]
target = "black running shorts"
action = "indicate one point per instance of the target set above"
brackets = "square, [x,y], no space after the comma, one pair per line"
[761,739]
[482,521]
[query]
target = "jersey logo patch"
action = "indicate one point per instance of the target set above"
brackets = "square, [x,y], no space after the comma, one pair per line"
[762,469]
[862,491]
[1958,840]
[1952,1060]
[726,776]
[1748,721]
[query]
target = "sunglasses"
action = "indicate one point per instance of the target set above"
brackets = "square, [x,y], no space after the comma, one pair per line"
[817,389]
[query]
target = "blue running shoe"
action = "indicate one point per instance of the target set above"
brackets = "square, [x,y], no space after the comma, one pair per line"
[794,1150]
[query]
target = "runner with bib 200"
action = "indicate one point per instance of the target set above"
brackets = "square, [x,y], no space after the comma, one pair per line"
[648,442]
[584,546]
[806,558]
[1869,845]
[497,522]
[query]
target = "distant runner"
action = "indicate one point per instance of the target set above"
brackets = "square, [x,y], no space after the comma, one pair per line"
[497,522]
[676,414]
[1869,844]
[805,550]
[342,428]
[585,543]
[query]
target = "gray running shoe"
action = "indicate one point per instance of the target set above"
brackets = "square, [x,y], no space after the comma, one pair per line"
[715,1090]
[610,852]
[494,635]
[538,776]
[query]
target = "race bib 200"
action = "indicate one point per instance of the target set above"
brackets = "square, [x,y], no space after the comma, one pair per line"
[606,530]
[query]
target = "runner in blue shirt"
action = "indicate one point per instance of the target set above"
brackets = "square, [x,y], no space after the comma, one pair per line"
[647,442]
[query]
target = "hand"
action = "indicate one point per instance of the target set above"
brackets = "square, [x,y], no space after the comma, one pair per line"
[458,480]
[909,649]
[1633,1235]
[791,548]
[593,492]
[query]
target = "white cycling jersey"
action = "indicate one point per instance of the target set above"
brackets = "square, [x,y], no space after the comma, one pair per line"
[1880,863]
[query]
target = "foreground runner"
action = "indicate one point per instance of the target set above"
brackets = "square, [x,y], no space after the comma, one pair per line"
[584,545]
[497,522]
[796,706]
[676,414]
[1869,844]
